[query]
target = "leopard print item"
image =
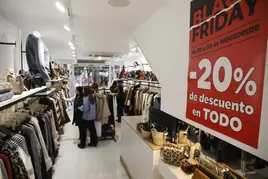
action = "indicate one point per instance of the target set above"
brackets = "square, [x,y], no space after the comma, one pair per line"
[174,155]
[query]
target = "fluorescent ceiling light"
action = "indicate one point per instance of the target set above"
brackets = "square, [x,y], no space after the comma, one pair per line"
[60,6]
[71,44]
[67,28]
[119,3]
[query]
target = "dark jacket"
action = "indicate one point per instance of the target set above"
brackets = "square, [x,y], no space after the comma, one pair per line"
[33,60]
[78,114]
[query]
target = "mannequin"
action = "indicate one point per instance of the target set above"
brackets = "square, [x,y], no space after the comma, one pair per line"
[38,57]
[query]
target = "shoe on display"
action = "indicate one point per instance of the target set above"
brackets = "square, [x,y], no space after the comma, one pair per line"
[81,146]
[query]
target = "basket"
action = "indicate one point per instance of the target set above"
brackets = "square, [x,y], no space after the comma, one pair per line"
[159,138]
[145,134]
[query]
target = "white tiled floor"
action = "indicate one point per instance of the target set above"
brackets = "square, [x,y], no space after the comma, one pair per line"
[102,162]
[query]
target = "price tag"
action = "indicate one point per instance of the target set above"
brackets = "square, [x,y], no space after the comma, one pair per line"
[227,65]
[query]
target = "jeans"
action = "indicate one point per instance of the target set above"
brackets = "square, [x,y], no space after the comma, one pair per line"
[90,125]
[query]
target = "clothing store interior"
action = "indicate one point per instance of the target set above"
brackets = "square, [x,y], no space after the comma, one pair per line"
[133,89]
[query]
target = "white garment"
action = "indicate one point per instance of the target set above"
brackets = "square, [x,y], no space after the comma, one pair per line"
[27,162]
[48,160]
[3,172]
[115,107]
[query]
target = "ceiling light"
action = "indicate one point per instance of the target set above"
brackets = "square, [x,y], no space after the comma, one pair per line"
[119,3]
[74,55]
[72,47]
[60,6]
[73,52]
[129,54]
[71,44]
[67,28]
[99,58]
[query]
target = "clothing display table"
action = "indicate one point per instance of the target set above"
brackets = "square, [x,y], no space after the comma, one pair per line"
[139,156]
[172,172]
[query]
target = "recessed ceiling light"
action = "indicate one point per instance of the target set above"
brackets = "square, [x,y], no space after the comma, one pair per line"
[129,54]
[74,55]
[73,52]
[60,6]
[67,28]
[99,58]
[119,3]
[72,47]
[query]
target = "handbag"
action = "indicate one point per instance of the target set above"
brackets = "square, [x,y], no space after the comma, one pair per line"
[159,138]
[173,154]
[5,87]
[199,175]
[183,136]
[211,168]
[16,83]
[145,134]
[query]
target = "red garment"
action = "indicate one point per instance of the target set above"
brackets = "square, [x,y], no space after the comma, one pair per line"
[6,161]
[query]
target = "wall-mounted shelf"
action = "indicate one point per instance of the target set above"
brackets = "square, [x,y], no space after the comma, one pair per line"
[17,98]
[44,94]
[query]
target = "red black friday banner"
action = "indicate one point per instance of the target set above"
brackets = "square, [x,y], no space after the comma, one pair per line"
[228,43]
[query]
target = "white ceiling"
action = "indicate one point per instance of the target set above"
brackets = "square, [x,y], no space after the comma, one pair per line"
[97,27]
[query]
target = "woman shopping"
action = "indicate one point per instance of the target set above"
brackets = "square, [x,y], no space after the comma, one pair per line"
[78,101]
[88,121]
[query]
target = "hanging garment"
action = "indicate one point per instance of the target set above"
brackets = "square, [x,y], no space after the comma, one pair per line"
[6,161]
[48,161]
[18,142]
[35,149]
[18,167]
[3,171]
[35,53]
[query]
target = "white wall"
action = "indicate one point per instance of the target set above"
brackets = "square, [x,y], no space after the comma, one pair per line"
[10,56]
[164,40]
[130,60]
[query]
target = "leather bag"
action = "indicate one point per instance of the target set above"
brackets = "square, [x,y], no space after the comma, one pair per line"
[16,83]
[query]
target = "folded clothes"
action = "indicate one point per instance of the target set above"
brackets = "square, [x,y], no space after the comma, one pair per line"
[6,96]
[5,87]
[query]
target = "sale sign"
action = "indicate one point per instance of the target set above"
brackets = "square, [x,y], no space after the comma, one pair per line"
[228,43]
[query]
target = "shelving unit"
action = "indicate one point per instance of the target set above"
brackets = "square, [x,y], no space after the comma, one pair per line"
[17,98]
[44,94]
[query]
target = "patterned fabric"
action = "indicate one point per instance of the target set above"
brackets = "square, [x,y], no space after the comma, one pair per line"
[19,141]
[18,167]
[5,87]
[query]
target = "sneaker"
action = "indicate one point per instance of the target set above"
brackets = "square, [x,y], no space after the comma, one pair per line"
[81,146]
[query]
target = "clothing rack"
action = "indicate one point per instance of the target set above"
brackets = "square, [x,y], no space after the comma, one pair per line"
[141,82]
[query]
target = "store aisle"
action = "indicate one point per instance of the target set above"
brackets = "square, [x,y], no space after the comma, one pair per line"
[102,162]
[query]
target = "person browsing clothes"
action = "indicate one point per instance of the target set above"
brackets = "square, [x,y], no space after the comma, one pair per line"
[78,101]
[88,120]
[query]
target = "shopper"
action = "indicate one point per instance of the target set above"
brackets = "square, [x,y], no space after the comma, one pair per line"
[120,97]
[113,88]
[88,121]
[78,101]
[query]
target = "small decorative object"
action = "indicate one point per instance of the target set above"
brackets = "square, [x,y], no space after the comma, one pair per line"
[159,138]
[211,168]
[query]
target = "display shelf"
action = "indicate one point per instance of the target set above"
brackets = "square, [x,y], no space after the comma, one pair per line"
[17,98]
[172,172]
[44,94]
[132,145]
